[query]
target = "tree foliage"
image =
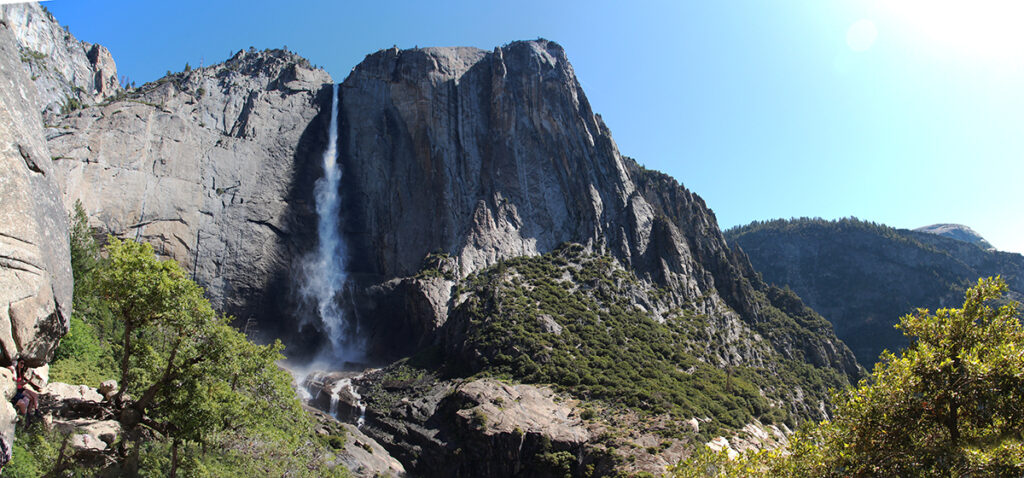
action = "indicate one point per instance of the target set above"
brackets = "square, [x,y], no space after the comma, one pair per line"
[195,377]
[951,404]
[86,353]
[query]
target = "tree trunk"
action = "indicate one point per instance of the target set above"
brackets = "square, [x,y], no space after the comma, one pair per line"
[174,459]
[125,354]
[131,464]
[953,424]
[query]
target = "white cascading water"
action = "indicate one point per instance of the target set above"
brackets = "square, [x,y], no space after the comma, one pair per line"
[335,391]
[336,388]
[325,272]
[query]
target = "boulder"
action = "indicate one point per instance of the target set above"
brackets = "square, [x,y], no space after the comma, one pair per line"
[365,458]
[108,389]
[86,442]
[40,375]
[63,392]
[105,431]
[721,443]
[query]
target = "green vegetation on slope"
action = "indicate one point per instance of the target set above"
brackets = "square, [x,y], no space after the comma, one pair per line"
[568,318]
[951,404]
[198,398]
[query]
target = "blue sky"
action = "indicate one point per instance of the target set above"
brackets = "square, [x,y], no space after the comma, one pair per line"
[905,112]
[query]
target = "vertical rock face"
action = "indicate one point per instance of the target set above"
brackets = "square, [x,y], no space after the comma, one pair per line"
[35,262]
[64,69]
[449,150]
[212,166]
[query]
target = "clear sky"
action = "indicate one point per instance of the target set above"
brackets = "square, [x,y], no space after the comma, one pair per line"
[903,112]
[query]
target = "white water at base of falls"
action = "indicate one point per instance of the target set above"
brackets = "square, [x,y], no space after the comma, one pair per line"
[336,388]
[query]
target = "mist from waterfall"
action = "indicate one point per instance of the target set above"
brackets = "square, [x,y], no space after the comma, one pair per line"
[324,275]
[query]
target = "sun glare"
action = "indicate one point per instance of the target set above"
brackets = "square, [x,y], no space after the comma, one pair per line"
[982,28]
[861,35]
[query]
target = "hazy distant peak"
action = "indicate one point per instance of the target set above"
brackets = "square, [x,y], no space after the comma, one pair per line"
[959,232]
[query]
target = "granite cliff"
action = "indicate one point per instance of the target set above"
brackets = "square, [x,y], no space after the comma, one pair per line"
[864,276]
[959,232]
[461,162]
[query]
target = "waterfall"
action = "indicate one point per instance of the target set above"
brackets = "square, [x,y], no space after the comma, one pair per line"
[325,270]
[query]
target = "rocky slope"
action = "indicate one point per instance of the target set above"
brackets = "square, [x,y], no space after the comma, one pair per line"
[864,276]
[576,319]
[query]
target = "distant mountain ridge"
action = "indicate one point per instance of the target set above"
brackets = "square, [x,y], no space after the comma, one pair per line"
[959,232]
[863,276]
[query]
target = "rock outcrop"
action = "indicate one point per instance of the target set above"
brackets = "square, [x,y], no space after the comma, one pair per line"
[959,232]
[486,427]
[213,166]
[67,72]
[360,454]
[85,419]
[35,262]
[863,276]
[475,428]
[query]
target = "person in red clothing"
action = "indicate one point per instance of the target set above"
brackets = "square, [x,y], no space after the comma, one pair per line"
[26,399]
